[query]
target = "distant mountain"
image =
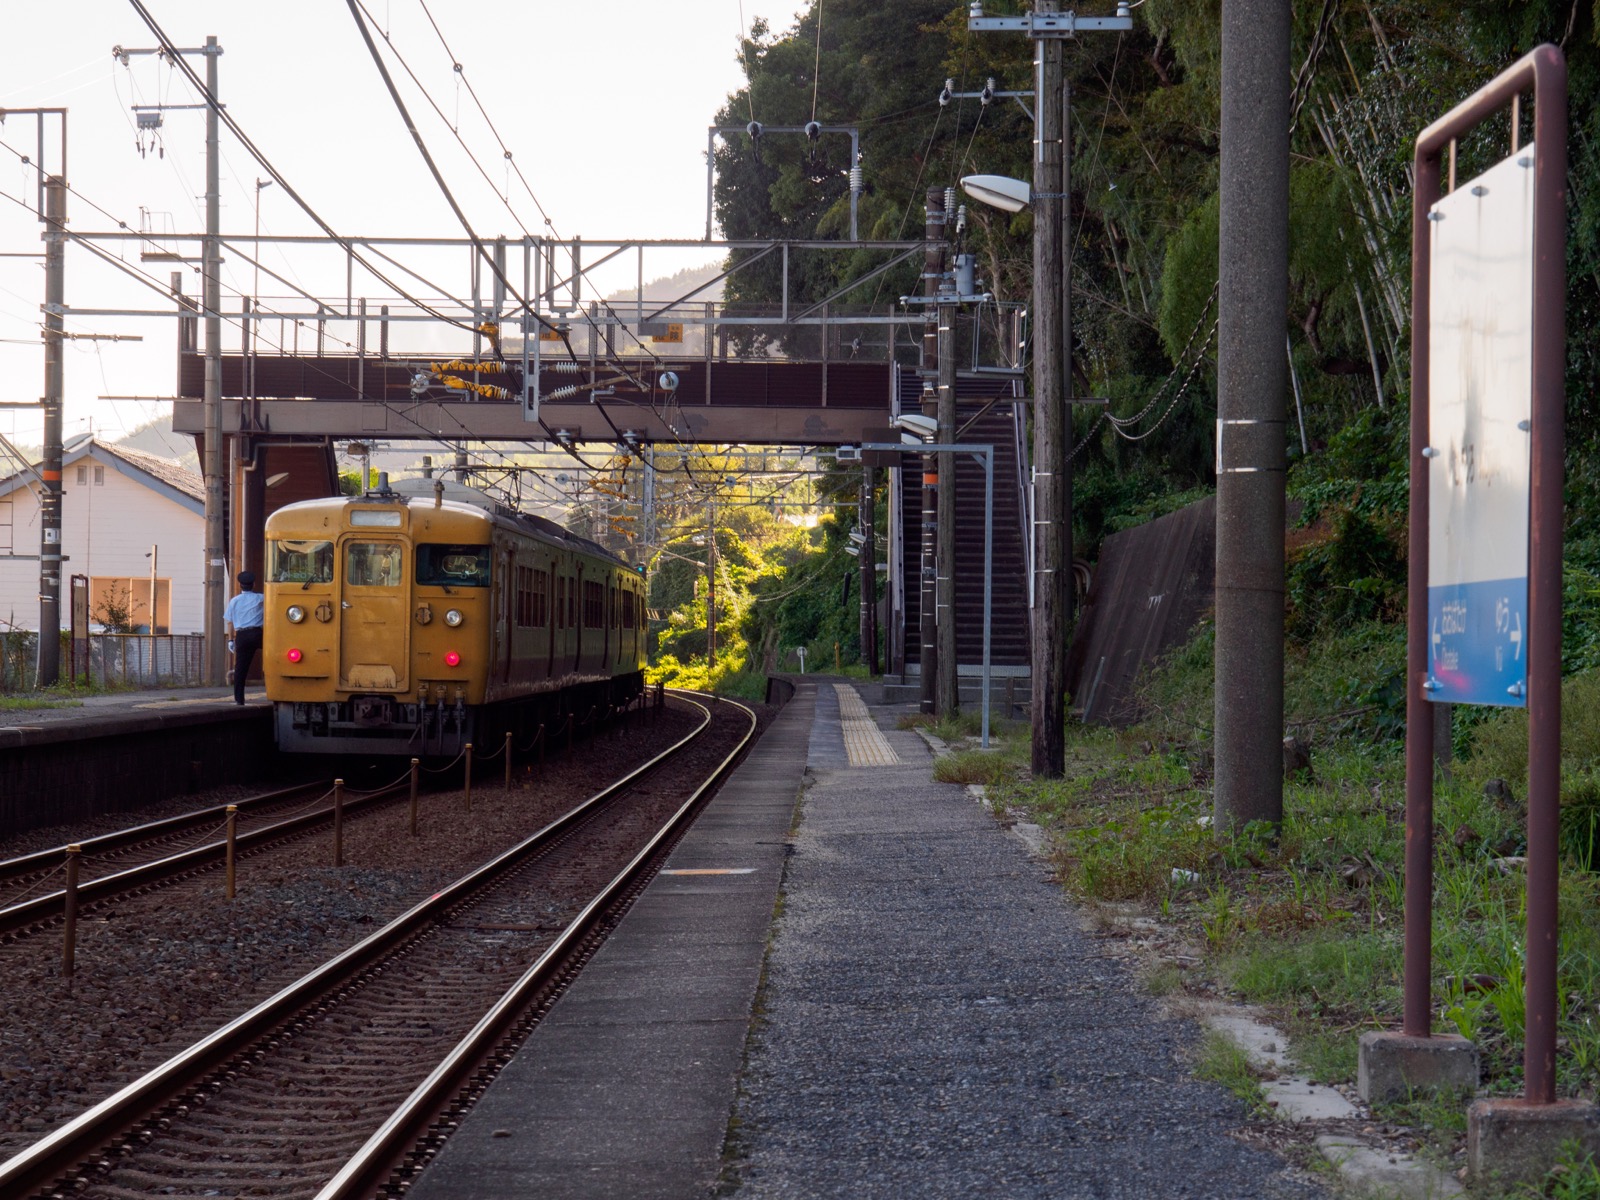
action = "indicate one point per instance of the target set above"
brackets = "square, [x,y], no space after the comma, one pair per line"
[677,285]
[156,437]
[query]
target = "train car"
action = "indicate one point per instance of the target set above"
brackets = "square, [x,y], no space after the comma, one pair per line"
[414,624]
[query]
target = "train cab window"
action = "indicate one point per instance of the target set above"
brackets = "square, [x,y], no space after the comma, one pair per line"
[441,564]
[302,562]
[372,564]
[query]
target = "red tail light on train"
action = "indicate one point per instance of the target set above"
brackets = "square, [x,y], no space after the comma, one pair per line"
[452,659]
[294,656]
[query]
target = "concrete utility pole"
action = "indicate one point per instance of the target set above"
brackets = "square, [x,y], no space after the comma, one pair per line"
[932,273]
[1051,192]
[868,557]
[1052,393]
[1251,384]
[50,558]
[711,585]
[949,693]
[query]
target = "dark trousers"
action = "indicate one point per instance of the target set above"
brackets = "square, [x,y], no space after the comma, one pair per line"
[246,645]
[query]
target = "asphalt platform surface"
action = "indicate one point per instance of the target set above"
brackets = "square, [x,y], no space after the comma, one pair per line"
[932,1020]
[935,1022]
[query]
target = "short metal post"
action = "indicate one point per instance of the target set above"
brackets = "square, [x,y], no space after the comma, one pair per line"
[69,936]
[230,874]
[469,776]
[338,822]
[508,760]
[416,764]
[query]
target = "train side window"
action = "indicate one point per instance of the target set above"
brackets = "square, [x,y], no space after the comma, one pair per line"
[541,596]
[572,603]
[372,564]
[524,596]
[294,561]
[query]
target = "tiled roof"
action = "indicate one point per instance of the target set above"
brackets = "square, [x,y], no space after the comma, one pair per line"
[164,469]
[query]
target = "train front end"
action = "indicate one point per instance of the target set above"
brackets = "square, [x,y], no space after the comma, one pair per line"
[377,625]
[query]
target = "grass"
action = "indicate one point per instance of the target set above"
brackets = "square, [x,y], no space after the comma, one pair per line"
[973,766]
[36,700]
[1221,1060]
[1308,922]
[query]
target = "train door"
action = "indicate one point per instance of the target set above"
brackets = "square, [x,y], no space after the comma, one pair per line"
[553,613]
[507,597]
[575,607]
[374,621]
[611,608]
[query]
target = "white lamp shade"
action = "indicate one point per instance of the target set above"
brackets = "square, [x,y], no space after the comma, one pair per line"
[998,191]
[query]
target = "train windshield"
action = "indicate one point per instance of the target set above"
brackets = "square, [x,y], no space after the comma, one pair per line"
[372,564]
[441,565]
[300,561]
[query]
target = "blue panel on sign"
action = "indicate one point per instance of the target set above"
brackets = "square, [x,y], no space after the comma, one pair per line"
[1477,643]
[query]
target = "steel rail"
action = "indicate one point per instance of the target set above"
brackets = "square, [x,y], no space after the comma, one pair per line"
[47,860]
[96,891]
[58,1152]
[389,1145]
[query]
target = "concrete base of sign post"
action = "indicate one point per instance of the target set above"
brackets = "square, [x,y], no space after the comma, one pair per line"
[1396,1066]
[1512,1142]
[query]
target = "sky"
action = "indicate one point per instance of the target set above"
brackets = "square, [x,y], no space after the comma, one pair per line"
[604,110]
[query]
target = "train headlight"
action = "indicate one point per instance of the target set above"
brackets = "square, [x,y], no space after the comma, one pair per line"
[452,659]
[294,655]
[296,614]
[453,618]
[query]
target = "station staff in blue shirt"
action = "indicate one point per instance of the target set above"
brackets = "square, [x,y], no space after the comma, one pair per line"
[243,616]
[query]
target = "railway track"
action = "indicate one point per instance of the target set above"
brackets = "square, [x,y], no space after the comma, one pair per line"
[328,1086]
[120,863]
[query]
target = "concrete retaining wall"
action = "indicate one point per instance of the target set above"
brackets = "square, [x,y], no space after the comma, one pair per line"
[60,773]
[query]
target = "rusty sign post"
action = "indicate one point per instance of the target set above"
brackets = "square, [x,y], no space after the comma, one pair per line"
[1484,589]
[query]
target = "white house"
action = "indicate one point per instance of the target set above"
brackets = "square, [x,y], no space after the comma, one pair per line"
[128,520]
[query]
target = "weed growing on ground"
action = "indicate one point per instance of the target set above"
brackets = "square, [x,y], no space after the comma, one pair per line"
[1575,1177]
[972,766]
[1309,922]
[19,703]
[1222,1060]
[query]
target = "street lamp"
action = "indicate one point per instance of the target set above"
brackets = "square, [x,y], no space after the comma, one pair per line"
[998,191]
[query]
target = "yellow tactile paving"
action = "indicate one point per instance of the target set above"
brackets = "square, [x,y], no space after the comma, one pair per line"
[862,741]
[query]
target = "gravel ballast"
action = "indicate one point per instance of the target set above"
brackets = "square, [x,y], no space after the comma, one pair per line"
[157,972]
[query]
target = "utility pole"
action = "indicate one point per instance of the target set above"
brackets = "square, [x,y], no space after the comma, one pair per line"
[1253,297]
[1052,382]
[1052,360]
[50,557]
[711,585]
[211,304]
[932,273]
[212,270]
[869,573]
[949,693]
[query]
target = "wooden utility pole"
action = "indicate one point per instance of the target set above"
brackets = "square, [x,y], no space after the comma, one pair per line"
[1052,383]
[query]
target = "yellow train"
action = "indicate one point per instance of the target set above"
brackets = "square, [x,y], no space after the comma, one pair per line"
[413,624]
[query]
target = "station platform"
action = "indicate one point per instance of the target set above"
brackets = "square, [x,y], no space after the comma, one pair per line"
[852,981]
[113,710]
[119,752]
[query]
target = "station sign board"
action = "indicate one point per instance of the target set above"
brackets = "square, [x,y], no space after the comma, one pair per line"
[1480,390]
